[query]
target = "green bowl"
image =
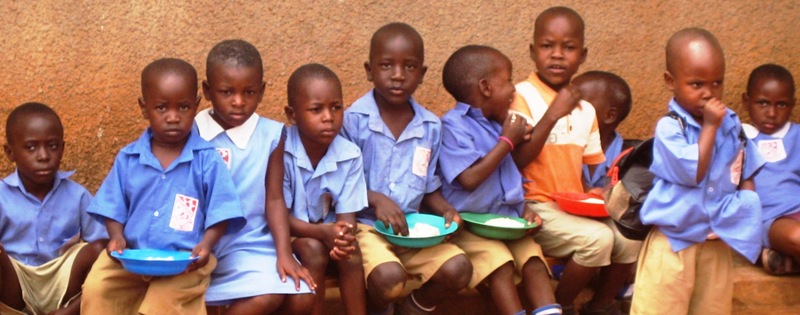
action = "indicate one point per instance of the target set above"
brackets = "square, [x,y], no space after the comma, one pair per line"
[477,224]
[417,242]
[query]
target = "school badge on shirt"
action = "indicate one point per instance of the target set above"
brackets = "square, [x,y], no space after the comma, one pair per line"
[422,158]
[772,150]
[184,212]
[226,156]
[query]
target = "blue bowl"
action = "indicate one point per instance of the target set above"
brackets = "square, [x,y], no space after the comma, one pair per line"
[154,262]
[417,242]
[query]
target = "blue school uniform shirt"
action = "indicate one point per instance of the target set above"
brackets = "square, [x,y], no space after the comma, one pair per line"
[33,231]
[171,208]
[598,179]
[687,211]
[403,169]
[468,136]
[778,183]
[340,173]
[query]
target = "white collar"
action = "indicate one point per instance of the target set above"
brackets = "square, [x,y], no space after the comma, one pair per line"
[240,135]
[752,132]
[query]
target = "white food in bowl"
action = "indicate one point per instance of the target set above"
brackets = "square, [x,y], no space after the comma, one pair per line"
[593,201]
[423,230]
[504,222]
[170,258]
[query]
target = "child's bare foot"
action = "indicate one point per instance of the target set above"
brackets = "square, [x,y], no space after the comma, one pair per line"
[778,264]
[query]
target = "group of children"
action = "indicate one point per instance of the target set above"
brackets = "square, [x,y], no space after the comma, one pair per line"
[270,210]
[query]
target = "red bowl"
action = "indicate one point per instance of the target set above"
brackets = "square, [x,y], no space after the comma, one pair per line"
[575,203]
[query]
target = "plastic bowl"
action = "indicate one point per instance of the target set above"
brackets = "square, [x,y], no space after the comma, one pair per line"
[154,262]
[417,242]
[477,224]
[575,203]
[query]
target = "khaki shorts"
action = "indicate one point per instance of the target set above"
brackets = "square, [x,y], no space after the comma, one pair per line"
[486,255]
[420,263]
[696,280]
[110,289]
[591,242]
[43,287]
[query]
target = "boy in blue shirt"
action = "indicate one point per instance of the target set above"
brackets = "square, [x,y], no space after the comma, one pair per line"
[168,190]
[399,141]
[253,263]
[702,203]
[611,98]
[770,99]
[43,219]
[480,176]
[324,184]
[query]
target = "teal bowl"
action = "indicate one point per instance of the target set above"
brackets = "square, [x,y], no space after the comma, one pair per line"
[476,223]
[154,262]
[417,242]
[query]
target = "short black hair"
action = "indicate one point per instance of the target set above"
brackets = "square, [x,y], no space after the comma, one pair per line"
[771,71]
[305,72]
[392,30]
[234,52]
[19,114]
[613,84]
[164,66]
[672,49]
[559,11]
[466,67]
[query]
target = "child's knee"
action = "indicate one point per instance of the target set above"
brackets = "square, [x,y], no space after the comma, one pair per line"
[455,273]
[312,253]
[387,280]
[600,243]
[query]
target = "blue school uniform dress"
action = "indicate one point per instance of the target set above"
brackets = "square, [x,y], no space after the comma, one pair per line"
[468,136]
[778,182]
[340,174]
[33,231]
[598,179]
[246,259]
[402,169]
[171,208]
[687,211]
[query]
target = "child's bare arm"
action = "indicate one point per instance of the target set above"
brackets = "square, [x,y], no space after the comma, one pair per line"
[514,129]
[203,249]
[388,211]
[116,242]
[713,112]
[278,219]
[563,104]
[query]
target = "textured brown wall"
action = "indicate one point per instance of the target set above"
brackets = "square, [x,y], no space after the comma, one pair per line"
[84,58]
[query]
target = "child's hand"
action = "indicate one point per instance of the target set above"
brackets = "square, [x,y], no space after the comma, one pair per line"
[390,214]
[516,129]
[713,112]
[451,215]
[566,100]
[287,265]
[116,244]
[532,217]
[344,245]
[203,253]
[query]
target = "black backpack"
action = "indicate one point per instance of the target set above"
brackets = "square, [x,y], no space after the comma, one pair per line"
[628,182]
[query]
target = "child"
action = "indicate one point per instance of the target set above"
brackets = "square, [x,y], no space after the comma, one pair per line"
[770,100]
[565,136]
[480,176]
[399,139]
[324,183]
[702,199]
[43,219]
[246,278]
[168,190]
[611,98]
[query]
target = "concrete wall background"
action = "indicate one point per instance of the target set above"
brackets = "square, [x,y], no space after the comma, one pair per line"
[84,58]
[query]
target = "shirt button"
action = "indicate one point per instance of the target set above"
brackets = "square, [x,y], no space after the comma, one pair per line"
[41,239]
[394,149]
[163,176]
[710,190]
[155,213]
[391,186]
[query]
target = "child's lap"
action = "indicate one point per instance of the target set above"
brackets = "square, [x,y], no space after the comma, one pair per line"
[486,255]
[243,273]
[420,263]
[44,286]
